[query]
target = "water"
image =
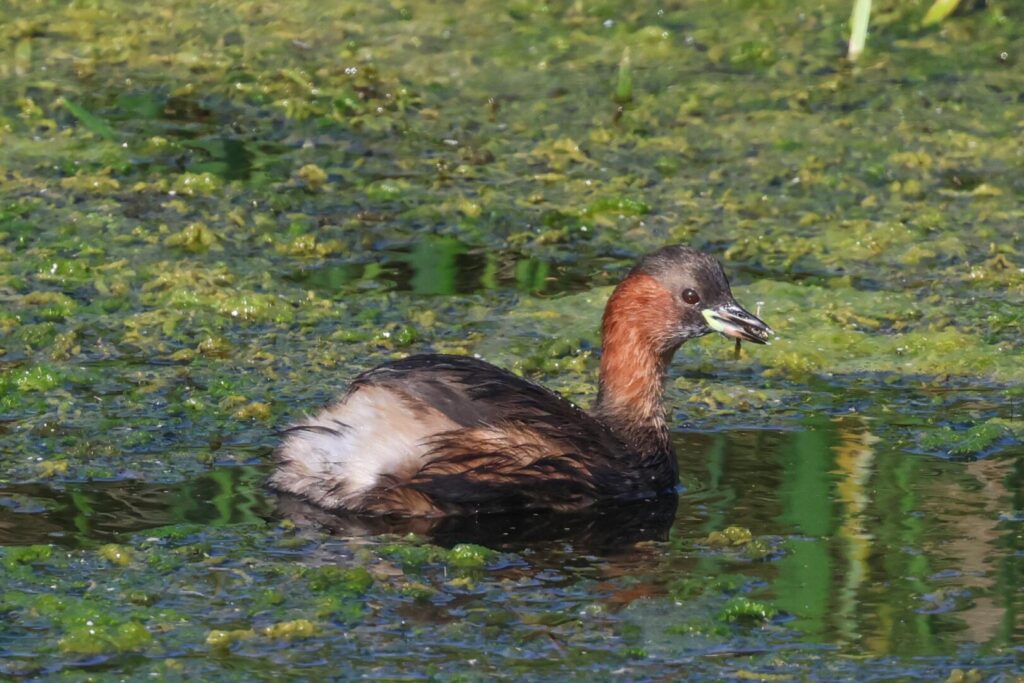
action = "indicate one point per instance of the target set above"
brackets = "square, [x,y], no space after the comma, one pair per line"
[446,266]
[860,550]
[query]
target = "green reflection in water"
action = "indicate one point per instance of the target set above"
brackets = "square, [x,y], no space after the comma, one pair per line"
[532,275]
[435,265]
[86,513]
[804,584]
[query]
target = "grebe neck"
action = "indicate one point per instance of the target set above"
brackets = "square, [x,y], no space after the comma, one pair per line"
[633,365]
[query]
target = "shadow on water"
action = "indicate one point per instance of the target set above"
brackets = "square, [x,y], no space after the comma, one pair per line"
[78,514]
[602,530]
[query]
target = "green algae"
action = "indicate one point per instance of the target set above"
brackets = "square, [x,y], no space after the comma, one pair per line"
[215,595]
[116,554]
[740,538]
[690,587]
[730,536]
[94,640]
[88,628]
[38,378]
[197,184]
[195,237]
[289,630]
[866,333]
[353,581]
[469,556]
[976,439]
[412,555]
[224,639]
[27,555]
[746,611]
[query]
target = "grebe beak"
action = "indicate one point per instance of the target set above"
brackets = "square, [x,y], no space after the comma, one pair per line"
[733,320]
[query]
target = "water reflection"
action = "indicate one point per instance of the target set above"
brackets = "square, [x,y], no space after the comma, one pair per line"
[444,266]
[607,529]
[881,552]
[885,553]
[78,514]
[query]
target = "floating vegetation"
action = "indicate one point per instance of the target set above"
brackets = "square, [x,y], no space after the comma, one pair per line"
[212,217]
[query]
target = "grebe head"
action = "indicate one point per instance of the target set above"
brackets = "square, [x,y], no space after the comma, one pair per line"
[697,298]
[672,295]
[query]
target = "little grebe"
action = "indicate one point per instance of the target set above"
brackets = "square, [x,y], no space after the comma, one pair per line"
[436,434]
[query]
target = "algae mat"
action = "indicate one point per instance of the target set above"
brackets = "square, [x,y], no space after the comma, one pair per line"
[212,214]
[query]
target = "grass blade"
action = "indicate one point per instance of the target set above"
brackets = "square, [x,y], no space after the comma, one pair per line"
[90,120]
[859,28]
[939,11]
[624,82]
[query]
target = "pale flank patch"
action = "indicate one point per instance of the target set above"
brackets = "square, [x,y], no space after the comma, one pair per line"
[380,436]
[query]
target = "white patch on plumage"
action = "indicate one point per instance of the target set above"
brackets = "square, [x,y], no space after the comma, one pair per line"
[369,434]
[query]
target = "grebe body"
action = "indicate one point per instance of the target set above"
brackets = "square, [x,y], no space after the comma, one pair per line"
[431,435]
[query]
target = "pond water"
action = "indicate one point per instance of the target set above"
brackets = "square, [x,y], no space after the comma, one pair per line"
[213,214]
[867,562]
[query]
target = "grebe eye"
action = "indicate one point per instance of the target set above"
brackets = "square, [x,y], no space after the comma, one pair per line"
[691,297]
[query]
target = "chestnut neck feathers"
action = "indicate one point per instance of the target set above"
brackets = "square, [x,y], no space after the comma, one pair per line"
[637,348]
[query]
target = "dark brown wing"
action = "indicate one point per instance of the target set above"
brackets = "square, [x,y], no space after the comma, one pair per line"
[472,392]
